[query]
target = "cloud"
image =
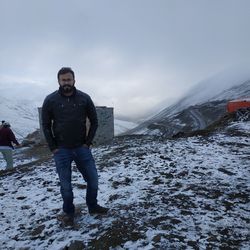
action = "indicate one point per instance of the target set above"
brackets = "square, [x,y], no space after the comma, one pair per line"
[131,54]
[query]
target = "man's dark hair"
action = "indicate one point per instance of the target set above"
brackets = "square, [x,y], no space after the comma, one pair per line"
[65,70]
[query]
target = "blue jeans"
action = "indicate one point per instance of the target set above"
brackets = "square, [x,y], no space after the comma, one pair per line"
[85,163]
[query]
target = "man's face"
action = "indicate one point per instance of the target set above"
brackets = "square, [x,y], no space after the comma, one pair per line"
[66,82]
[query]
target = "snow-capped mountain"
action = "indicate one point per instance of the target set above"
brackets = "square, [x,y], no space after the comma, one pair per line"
[21,114]
[203,105]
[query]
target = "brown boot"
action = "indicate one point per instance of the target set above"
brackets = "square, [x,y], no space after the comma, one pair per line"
[67,219]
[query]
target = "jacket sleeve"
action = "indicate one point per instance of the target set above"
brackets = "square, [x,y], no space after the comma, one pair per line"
[13,138]
[47,118]
[91,114]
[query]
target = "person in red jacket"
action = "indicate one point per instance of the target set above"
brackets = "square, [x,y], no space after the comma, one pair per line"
[7,139]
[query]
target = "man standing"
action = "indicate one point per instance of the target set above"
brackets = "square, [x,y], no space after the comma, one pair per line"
[64,114]
[7,137]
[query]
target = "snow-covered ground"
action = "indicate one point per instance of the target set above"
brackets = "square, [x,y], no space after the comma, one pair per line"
[18,158]
[187,193]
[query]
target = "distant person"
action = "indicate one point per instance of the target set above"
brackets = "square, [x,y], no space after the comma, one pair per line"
[64,115]
[7,139]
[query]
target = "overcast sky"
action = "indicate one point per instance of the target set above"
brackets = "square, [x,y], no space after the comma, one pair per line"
[130,54]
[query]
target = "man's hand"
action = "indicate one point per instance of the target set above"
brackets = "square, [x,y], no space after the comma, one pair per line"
[55,150]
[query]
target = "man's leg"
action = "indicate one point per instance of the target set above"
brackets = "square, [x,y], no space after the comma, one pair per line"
[8,156]
[63,159]
[86,165]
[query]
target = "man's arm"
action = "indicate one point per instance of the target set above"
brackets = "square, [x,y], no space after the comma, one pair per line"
[47,124]
[91,113]
[13,138]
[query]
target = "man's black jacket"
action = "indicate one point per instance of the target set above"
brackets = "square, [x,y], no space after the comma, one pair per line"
[64,119]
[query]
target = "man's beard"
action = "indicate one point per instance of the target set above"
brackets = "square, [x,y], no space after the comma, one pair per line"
[67,88]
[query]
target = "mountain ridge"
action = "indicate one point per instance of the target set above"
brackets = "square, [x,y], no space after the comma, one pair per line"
[186,114]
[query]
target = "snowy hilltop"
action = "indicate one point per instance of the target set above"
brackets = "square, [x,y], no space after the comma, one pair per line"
[184,193]
[22,115]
